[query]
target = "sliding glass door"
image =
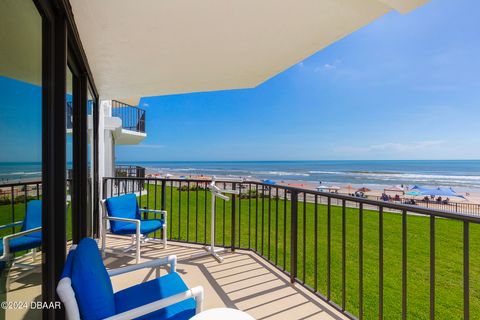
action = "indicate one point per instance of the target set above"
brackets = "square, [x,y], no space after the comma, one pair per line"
[48,157]
[21,188]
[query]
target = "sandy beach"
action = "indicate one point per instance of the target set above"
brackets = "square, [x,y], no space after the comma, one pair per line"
[471,197]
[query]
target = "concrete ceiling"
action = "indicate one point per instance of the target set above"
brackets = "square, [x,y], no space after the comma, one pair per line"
[157,47]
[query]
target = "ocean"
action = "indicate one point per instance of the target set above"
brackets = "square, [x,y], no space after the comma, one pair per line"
[463,175]
[14,171]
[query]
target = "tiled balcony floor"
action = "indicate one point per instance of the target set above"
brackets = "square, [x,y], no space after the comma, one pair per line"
[243,281]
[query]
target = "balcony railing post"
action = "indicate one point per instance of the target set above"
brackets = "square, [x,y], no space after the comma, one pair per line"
[234,217]
[163,200]
[293,235]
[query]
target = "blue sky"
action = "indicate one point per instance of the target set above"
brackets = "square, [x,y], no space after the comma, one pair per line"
[404,87]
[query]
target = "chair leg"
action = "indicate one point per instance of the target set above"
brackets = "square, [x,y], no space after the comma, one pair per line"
[104,243]
[34,254]
[7,283]
[137,253]
[164,229]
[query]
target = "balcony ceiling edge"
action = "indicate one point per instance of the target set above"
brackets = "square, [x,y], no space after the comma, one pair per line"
[149,48]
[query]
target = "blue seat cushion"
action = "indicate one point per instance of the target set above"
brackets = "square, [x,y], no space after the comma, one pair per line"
[146,227]
[91,282]
[154,290]
[122,207]
[22,243]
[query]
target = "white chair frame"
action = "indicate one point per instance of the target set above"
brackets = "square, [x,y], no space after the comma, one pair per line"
[137,238]
[8,256]
[67,295]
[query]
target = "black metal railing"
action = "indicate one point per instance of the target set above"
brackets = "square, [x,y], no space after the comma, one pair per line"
[69,115]
[13,203]
[133,118]
[129,171]
[443,205]
[366,258]
[69,108]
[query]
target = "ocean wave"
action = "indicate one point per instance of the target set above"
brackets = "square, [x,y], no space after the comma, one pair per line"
[415,176]
[20,173]
[326,172]
[397,175]
[282,173]
[195,170]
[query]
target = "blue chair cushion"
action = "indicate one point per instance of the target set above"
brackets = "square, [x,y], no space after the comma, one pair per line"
[91,282]
[22,243]
[154,290]
[146,227]
[33,218]
[122,207]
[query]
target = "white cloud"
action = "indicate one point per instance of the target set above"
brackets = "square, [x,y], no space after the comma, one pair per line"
[328,66]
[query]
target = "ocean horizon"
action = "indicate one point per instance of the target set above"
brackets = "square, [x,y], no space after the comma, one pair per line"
[463,175]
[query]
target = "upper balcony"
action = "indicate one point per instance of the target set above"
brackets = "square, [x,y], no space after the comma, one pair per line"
[133,118]
[126,122]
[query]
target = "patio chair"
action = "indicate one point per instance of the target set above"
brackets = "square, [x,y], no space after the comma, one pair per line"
[124,216]
[85,288]
[29,238]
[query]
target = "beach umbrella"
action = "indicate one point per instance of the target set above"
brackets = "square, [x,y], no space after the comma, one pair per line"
[413,193]
[268,181]
[364,189]
[437,192]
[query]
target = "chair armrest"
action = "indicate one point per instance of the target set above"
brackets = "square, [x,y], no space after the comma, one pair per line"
[21,234]
[171,260]
[5,226]
[6,239]
[136,221]
[196,293]
[162,212]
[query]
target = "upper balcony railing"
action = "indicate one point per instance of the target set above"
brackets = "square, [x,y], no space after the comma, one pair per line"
[70,112]
[129,171]
[368,259]
[133,118]
[69,115]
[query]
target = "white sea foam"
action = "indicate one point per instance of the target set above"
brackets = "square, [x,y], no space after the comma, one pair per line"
[402,176]
[282,173]
[326,172]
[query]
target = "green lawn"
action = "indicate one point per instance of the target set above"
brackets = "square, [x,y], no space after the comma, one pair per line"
[449,249]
